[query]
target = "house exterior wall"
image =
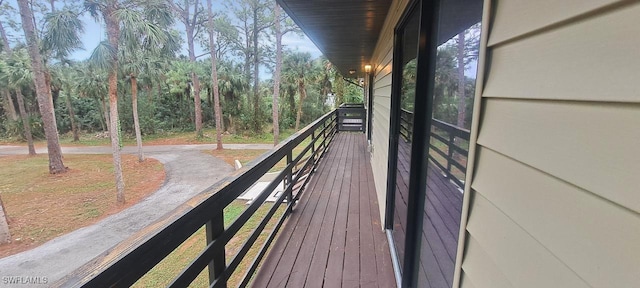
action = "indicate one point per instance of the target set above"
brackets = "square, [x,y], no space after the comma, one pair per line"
[554,197]
[382,63]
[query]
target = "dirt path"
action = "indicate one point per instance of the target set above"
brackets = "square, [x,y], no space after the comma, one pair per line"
[188,171]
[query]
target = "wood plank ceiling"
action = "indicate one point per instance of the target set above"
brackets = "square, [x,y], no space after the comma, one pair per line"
[346,31]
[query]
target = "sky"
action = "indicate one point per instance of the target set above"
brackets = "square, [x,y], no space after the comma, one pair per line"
[94,33]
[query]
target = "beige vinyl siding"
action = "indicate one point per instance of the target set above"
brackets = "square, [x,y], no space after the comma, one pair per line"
[554,192]
[576,51]
[466,281]
[517,17]
[574,225]
[382,63]
[591,145]
[480,268]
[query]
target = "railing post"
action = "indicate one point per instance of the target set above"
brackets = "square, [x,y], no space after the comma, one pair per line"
[215,228]
[450,152]
[338,118]
[289,179]
[313,146]
[324,135]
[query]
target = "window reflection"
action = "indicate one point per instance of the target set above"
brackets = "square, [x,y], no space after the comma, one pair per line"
[407,99]
[454,87]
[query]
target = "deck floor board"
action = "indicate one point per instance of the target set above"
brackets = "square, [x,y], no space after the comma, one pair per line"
[334,237]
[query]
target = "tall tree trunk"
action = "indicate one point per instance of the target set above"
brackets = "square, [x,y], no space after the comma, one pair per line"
[214,78]
[276,75]
[5,234]
[105,112]
[136,121]
[462,99]
[8,105]
[256,77]
[292,100]
[25,122]
[247,55]
[113,33]
[72,117]
[303,94]
[45,102]
[196,82]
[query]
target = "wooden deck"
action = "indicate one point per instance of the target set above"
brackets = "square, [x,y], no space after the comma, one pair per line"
[334,237]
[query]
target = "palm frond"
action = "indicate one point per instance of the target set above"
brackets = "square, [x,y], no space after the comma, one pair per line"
[62,33]
[103,56]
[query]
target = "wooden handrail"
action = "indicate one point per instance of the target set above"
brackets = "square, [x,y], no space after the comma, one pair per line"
[450,138]
[131,259]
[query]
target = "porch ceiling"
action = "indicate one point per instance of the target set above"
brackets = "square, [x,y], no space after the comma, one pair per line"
[346,31]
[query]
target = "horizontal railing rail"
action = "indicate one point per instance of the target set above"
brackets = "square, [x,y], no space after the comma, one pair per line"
[351,117]
[451,137]
[130,260]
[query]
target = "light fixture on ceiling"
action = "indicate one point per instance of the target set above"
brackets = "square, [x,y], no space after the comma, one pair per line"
[352,71]
[367,68]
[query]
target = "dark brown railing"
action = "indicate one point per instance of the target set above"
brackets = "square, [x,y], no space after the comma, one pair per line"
[447,135]
[351,117]
[127,262]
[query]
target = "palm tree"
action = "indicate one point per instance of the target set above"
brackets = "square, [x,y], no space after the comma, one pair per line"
[106,56]
[232,83]
[45,102]
[17,74]
[114,14]
[90,82]
[62,77]
[143,36]
[298,64]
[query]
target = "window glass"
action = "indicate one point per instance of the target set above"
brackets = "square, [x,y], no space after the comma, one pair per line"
[454,88]
[407,99]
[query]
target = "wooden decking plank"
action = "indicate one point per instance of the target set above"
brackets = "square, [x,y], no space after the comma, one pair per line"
[308,250]
[351,270]
[334,237]
[335,263]
[286,266]
[271,263]
[384,267]
[321,253]
[367,253]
